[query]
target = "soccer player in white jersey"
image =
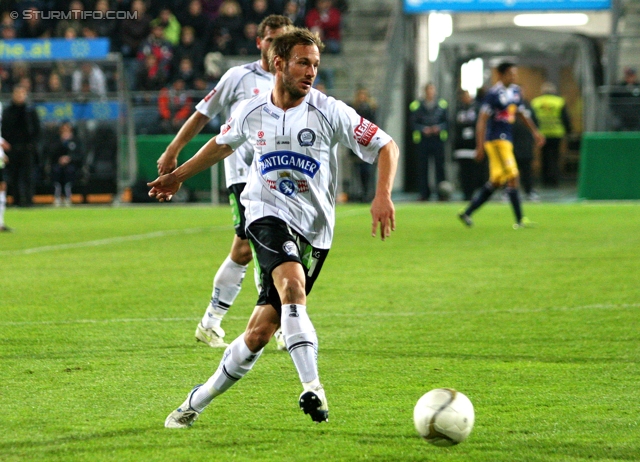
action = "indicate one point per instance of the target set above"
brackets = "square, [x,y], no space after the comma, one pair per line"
[290,204]
[237,84]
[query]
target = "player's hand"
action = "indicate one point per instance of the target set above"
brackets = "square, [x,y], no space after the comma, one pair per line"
[5,145]
[164,187]
[384,214]
[167,163]
[479,154]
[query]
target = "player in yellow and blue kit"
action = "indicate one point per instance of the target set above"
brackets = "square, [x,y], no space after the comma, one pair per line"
[500,107]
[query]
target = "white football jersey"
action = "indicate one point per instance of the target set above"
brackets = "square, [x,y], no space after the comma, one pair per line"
[294,173]
[236,85]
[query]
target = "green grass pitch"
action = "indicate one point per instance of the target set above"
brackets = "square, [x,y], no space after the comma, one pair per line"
[538,327]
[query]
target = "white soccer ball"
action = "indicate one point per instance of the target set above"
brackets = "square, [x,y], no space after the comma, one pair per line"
[444,417]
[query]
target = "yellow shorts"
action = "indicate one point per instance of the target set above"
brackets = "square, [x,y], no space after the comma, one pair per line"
[502,162]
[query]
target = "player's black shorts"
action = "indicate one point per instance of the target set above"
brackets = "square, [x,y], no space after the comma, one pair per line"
[273,242]
[237,209]
[3,176]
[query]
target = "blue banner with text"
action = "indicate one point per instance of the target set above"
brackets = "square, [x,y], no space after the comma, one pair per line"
[55,48]
[487,6]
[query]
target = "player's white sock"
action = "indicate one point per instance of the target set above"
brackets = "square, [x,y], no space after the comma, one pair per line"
[3,206]
[237,360]
[226,287]
[301,340]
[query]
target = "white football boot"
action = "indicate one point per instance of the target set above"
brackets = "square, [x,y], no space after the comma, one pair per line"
[314,403]
[279,336]
[213,336]
[185,415]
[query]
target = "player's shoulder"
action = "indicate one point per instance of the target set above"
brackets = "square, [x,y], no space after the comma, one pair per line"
[325,103]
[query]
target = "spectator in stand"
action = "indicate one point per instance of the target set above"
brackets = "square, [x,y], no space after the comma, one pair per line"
[133,31]
[35,26]
[158,46]
[39,82]
[326,20]
[295,12]
[150,76]
[21,129]
[246,46]
[74,21]
[230,18]
[170,26]
[70,33]
[8,32]
[174,106]
[257,12]
[186,73]
[195,19]
[67,157]
[211,8]
[191,48]
[625,102]
[89,79]
[103,26]
[54,84]
[20,71]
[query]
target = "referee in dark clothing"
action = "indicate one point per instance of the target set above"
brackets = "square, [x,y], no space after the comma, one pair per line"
[429,125]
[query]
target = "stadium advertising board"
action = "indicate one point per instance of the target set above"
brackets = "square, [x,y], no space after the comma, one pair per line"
[468,6]
[58,112]
[55,48]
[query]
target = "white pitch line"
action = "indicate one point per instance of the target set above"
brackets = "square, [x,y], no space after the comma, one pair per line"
[331,315]
[135,237]
[111,240]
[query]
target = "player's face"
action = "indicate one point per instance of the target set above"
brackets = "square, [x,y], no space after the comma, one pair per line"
[264,43]
[301,70]
[510,76]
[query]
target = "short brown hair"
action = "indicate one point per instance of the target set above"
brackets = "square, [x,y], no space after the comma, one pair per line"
[284,43]
[273,22]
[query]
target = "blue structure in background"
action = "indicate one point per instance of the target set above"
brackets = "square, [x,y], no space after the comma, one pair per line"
[469,6]
[97,110]
[55,48]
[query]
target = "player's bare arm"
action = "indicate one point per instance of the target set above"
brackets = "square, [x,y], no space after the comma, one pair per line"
[168,161]
[164,187]
[481,131]
[382,210]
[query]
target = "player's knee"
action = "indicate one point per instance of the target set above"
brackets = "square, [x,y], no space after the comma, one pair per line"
[256,337]
[241,253]
[292,291]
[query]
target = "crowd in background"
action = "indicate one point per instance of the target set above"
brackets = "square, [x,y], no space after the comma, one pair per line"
[160,41]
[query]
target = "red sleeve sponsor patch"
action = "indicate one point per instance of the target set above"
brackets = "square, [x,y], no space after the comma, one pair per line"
[364,132]
[224,129]
[210,95]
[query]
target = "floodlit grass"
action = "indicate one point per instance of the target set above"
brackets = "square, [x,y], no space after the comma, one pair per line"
[538,327]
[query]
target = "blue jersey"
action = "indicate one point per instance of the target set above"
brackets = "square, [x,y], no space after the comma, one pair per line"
[502,103]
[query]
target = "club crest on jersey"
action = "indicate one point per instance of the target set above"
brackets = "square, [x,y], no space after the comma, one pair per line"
[286,186]
[364,132]
[288,160]
[290,248]
[306,137]
[255,91]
